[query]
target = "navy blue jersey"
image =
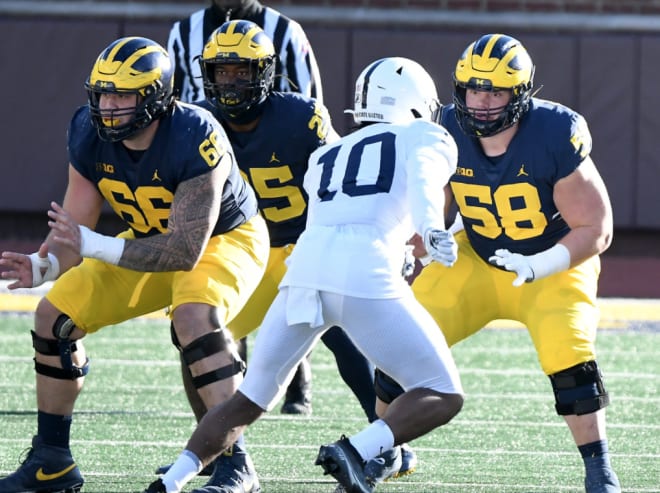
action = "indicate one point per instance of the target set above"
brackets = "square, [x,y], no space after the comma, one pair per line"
[187,144]
[273,157]
[507,202]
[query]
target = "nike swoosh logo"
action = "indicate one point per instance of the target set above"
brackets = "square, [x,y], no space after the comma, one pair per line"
[42,476]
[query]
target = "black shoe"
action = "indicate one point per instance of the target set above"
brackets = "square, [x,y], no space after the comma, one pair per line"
[46,469]
[234,473]
[408,461]
[384,466]
[605,481]
[298,398]
[342,461]
[156,487]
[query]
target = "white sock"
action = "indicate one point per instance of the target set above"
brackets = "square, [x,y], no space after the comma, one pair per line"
[186,467]
[373,440]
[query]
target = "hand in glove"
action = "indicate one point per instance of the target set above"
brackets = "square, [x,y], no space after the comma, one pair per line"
[441,246]
[514,262]
[408,262]
[532,267]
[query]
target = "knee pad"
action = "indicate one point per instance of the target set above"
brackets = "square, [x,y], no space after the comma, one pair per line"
[61,346]
[387,389]
[579,389]
[208,345]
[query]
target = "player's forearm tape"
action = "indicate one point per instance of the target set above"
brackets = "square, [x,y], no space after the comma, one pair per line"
[101,247]
[550,261]
[50,264]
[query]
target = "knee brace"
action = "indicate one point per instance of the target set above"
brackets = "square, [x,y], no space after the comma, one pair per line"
[208,345]
[63,347]
[213,318]
[579,389]
[387,389]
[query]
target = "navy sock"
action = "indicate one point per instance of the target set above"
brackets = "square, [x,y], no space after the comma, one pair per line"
[596,458]
[594,449]
[598,468]
[54,429]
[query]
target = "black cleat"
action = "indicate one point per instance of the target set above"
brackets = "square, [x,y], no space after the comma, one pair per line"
[46,469]
[156,487]
[384,466]
[234,472]
[606,481]
[342,461]
[408,461]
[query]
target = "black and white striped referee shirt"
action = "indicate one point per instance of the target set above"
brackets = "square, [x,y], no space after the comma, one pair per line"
[296,70]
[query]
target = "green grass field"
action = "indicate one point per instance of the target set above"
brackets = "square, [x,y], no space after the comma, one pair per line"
[132,416]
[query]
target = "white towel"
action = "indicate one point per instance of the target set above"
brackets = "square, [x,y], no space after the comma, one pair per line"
[303,306]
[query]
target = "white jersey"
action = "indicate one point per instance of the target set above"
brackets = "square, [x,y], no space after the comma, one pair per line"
[368,193]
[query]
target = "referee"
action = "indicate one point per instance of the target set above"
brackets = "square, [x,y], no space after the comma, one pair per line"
[296,69]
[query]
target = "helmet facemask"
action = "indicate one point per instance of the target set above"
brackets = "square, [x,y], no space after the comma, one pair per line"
[477,122]
[240,99]
[107,121]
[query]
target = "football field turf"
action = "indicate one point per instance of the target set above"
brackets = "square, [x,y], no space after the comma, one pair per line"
[132,415]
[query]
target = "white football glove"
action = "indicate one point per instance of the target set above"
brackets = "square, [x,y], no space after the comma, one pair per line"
[532,267]
[441,246]
[514,262]
[408,262]
[50,265]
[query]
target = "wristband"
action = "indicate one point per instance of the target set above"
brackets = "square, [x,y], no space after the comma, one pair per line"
[457,225]
[106,248]
[550,261]
[425,260]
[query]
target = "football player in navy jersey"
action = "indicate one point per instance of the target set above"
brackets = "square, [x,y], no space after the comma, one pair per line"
[368,192]
[194,242]
[272,134]
[536,215]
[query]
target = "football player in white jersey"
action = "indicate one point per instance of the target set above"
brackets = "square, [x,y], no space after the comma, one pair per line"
[369,193]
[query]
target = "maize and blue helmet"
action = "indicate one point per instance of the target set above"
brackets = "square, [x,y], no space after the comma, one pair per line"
[239,42]
[130,65]
[495,62]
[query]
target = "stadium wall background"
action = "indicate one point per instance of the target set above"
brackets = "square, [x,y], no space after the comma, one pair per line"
[600,57]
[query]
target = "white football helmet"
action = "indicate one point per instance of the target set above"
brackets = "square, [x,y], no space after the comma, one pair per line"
[395,90]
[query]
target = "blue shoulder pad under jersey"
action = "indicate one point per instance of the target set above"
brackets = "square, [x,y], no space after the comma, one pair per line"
[188,143]
[273,158]
[507,201]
